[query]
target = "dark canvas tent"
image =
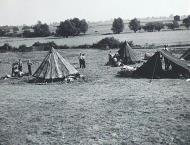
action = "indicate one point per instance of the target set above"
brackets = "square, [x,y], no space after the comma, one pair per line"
[153,68]
[54,67]
[186,55]
[153,65]
[127,54]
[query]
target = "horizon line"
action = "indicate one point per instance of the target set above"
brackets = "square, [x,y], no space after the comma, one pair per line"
[99,21]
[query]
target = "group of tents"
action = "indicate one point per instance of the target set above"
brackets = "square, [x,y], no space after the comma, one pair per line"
[55,68]
[161,65]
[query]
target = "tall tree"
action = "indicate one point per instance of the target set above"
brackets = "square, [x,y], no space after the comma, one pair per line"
[76,25]
[117,26]
[83,26]
[2,32]
[134,25]
[186,22]
[66,29]
[41,30]
[15,29]
[72,27]
[177,18]
[151,26]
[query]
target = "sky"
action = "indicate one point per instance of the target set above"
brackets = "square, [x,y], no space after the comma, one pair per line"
[18,12]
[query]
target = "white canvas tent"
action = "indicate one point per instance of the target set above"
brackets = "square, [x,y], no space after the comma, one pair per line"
[54,66]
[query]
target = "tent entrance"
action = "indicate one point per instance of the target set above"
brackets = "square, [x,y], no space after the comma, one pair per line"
[163,65]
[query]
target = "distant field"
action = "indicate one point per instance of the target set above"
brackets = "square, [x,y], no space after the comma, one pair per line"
[157,38]
[102,110]
[102,28]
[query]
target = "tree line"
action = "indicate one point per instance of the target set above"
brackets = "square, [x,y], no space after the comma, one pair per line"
[135,25]
[70,27]
[76,27]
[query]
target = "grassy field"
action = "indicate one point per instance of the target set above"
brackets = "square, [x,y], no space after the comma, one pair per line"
[103,110]
[157,38]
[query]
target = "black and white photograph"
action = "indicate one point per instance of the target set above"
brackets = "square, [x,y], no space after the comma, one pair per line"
[94,72]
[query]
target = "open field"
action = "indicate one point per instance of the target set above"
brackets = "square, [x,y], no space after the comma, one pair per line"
[103,110]
[157,38]
[105,27]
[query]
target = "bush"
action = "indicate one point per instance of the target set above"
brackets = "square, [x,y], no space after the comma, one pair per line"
[151,26]
[108,42]
[44,46]
[47,46]
[172,25]
[6,47]
[24,48]
[63,47]
[28,34]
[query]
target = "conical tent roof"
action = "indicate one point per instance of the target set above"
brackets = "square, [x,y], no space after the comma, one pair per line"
[54,66]
[127,54]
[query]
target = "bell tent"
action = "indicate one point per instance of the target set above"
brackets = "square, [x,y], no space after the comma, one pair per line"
[54,67]
[127,55]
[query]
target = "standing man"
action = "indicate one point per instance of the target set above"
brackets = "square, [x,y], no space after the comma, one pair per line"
[110,57]
[83,61]
[29,64]
[80,60]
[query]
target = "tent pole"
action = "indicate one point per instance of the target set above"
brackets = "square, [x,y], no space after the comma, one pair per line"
[154,69]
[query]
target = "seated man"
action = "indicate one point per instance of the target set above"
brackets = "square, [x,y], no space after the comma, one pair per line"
[20,74]
[16,72]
